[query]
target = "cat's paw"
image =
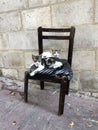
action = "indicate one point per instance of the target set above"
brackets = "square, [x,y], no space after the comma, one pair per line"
[32,74]
[57,65]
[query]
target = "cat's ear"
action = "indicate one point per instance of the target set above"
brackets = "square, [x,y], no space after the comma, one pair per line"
[33,56]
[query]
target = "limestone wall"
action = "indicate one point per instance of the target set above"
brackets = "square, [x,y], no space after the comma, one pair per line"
[19,20]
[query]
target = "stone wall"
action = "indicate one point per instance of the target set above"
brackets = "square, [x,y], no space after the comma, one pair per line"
[19,20]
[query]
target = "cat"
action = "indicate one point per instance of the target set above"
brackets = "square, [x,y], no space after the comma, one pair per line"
[36,66]
[46,59]
[56,53]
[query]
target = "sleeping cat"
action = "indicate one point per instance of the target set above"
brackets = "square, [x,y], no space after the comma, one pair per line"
[46,59]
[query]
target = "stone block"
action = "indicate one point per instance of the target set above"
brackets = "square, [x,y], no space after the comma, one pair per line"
[36,17]
[55,44]
[3,42]
[10,73]
[74,83]
[45,2]
[1,61]
[21,74]
[95,95]
[7,5]
[72,13]
[86,37]
[0,72]
[96,60]
[35,3]
[63,54]
[59,0]
[13,59]
[96,11]
[83,60]
[83,94]
[10,22]
[89,81]
[23,40]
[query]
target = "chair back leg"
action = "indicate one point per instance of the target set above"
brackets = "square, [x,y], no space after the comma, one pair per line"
[26,87]
[42,85]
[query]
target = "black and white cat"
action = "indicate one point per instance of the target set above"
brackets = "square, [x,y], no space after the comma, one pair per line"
[46,59]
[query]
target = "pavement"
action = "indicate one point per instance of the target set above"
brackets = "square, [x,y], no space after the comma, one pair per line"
[40,113]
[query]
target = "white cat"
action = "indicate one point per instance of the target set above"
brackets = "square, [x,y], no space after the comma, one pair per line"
[46,54]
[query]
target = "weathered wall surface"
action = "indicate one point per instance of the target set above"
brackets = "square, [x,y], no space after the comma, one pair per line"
[19,20]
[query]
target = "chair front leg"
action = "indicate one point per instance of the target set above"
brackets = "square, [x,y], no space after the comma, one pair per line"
[26,87]
[42,85]
[62,98]
[67,87]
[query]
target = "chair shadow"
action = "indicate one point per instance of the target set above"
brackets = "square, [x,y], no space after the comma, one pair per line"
[46,99]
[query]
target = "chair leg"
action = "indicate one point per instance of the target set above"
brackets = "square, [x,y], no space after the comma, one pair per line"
[42,85]
[67,87]
[62,98]
[26,87]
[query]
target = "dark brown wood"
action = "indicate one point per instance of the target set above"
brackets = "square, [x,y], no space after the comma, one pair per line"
[64,88]
[56,30]
[42,85]
[62,97]
[26,87]
[56,37]
[40,45]
[70,53]
[71,42]
[67,87]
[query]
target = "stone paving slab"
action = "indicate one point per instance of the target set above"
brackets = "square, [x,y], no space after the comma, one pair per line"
[40,113]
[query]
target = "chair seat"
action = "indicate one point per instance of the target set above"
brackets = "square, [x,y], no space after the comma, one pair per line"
[56,74]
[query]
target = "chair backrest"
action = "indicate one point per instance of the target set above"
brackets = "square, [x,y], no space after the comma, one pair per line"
[69,37]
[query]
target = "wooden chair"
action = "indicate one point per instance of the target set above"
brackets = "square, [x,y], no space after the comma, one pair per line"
[63,81]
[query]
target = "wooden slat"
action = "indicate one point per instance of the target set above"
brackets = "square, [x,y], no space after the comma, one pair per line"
[55,30]
[56,37]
